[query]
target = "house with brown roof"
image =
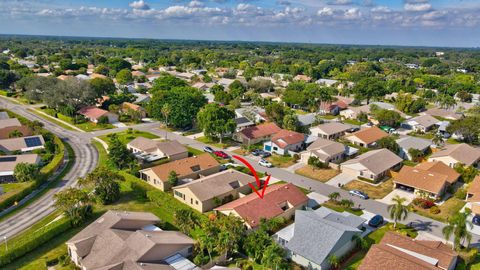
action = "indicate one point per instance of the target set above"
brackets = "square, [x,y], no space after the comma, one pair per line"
[150,150]
[457,153]
[6,132]
[373,165]
[8,163]
[301,77]
[330,131]
[432,178]
[127,107]
[211,191]
[325,150]
[367,137]
[129,240]
[280,200]
[473,196]
[187,168]
[93,114]
[400,252]
[23,144]
[421,123]
[285,142]
[353,112]
[10,122]
[256,134]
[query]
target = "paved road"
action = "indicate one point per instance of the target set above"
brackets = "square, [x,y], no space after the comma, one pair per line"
[86,160]
[421,223]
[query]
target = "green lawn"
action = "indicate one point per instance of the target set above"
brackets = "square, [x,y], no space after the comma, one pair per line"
[340,208]
[12,187]
[128,135]
[353,122]
[87,126]
[374,192]
[54,120]
[281,161]
[226,142]
[322,175]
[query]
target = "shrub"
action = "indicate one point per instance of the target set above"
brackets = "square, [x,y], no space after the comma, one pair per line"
[435,210]
[102,120]
[461,194]
[469,256]
[423,203]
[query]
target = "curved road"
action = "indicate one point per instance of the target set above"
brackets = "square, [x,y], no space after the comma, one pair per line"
[86,158]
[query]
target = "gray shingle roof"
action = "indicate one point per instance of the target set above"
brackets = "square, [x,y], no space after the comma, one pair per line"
[376,161]
[413,142]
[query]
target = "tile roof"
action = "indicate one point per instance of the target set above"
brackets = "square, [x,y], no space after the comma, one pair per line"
[252,209]
[92,112]
[333,128]
[463,153]
[377,161]
[260,131]
[370,135]
[184,166]
[284,137]
[135,107]
[403,253]
[217,184]
[421,179]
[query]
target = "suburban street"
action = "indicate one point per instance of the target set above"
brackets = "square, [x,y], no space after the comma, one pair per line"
[86,158]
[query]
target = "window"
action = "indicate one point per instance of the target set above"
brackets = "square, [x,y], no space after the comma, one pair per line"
[196,202]
[195,168]
[179,194]
[191,200]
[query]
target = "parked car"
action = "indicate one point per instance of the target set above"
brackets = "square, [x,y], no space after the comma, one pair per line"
[376,221]
[476,220]
[265,154]
[208,149]
[358,193]
[220,154]
[257,152]
[265,163]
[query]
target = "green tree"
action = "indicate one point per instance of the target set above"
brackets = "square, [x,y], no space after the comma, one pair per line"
[117,64]
[290,122]
[333,261]
[273,257]
[104,183]
[276,112]
[118,153]
[172,178]
[167,82]
[102,86]
[387,117]
[24,172]
[216,121]
[457,226]
[467,173]
[15,134]
[398,211]
[369,88]
[124,76]
[166,110]
[75,203]
[334,196]
[467,127]
[388,143]
[415,154]
[185,220]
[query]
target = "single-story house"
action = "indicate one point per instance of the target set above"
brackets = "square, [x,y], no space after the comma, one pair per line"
[326,82]
[128,240]
[457,153]
[256,134]
[281,200]
[373,165]
[306,119]
[317,235]
[422,123]
[327,107]
[285,142]
[141,98]
[401,252]
[186,169]
[214,190]
[301,77]
[254,113]
[127,106]
[353,112]
[473,196]
[23,144]
[8,163]
[447,114]
[10,122]
[93,114]
[6,132]
[409,142]
[367,137]
[243,122]
[151,150]
[326,151]
[330,131]
[432,178]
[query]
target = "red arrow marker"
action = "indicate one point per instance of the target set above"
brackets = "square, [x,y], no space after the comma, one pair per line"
[250,167]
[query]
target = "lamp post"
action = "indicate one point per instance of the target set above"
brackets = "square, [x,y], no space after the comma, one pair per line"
[6,244]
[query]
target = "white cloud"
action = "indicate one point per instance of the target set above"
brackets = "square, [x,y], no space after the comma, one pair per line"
[417,7]
[196,3]
[140,4]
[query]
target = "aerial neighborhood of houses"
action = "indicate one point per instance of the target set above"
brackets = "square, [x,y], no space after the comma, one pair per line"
[338,180]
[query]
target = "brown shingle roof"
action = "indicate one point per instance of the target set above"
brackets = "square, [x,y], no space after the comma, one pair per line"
[92,112]
[333,128]
[403,253]
[10,122]
[5,132]
[251,208]
[474,189]
[260,130]
[285,137]
[169,148]
[8,163]
[463,153]
[184,166]
[377,161]
[421,179]
[370,135]
[441,168]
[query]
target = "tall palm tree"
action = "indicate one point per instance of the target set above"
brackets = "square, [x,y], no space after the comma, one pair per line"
[398,211]
[438,140]
[457,226]
[334,196]
[166,110]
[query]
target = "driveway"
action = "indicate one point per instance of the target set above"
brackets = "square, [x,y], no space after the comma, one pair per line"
[402,193]
[315,199]
[343,179]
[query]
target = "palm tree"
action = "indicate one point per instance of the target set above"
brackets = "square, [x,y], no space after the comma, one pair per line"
[360,242]
[334,196]
[398,211]
[166,110]
[333,261]
[457,226]
[438,140]
[185,220]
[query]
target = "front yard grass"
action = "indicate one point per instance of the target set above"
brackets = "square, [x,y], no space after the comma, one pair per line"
[447,209]
[128,135]
[374,192]
[226,142]
[281,161]
[340,208]
[322,175]
[87,126]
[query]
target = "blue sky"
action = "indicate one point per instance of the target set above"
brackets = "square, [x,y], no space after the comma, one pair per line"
[377,22]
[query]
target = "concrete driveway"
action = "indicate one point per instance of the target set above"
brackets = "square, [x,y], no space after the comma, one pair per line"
[343,178]
[402,193]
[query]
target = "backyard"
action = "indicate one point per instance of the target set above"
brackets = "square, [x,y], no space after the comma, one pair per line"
[322,175]
[374,192]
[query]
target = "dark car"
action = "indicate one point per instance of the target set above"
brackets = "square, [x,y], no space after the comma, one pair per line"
[375,221]
[208,149]
[257,152]
[476,220]
[359,193]
[220,154]
[265,154]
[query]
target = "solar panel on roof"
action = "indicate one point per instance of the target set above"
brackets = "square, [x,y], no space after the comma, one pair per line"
[33,141]
[8,159]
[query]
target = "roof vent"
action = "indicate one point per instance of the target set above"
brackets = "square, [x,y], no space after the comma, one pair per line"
[147,235]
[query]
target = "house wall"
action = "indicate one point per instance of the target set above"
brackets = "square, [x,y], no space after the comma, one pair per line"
[112,118]
[239,137]
[447,160]
[357,141]
[178,156]
[364,173]
[72,251]
[348,114]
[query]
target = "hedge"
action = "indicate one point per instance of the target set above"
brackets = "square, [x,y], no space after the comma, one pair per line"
[6,202]
[57,160]
[33,240]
